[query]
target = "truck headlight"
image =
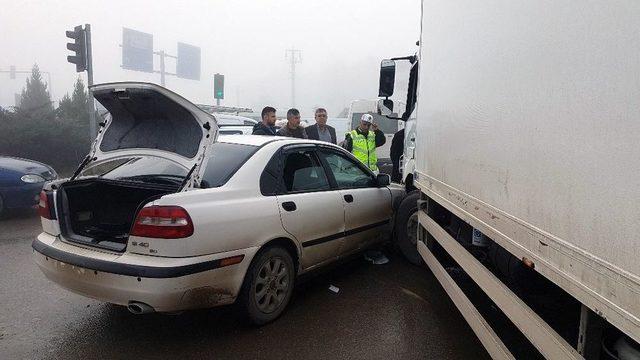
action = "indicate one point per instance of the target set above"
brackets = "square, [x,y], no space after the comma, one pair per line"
[32,178]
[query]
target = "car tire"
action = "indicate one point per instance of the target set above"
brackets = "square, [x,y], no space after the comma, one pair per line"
[405,231]
[268,285]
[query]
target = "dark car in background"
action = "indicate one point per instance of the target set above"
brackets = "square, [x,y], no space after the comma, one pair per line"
[21,181]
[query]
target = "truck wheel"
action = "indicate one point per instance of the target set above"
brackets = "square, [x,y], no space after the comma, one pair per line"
[268,285]
[406,228]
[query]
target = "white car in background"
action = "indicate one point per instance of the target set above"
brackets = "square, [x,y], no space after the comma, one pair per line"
[164,216]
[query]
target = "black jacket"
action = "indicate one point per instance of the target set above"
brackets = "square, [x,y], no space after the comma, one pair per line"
[261,129]
[395,152]
[397,146]
[312,132]
[348,142]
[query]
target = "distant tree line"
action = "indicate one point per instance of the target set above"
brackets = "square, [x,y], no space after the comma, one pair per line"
[35,129]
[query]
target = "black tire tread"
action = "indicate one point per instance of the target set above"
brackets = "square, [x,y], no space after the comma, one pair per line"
[408,206]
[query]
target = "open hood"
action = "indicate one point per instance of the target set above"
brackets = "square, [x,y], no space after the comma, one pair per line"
[147,119]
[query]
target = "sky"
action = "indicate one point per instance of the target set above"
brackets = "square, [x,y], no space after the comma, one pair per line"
[342,43]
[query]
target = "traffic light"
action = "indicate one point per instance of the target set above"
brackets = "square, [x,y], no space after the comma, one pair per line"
[79,47]
[218,86]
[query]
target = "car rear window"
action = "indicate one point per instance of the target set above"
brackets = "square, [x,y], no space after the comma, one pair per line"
[136,166]
[224,161]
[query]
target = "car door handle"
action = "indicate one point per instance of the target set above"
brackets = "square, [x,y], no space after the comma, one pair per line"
[348,198]
[289,206]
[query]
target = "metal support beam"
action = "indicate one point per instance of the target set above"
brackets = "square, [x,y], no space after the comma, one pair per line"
[537,331]
[162,70]
[489,339]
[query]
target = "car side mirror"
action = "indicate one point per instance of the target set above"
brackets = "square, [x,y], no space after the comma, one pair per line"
[383,180]
[387,78]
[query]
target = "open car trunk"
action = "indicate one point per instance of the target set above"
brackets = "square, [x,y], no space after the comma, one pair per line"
[100,212]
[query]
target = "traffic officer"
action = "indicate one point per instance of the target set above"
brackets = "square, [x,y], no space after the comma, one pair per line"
[363,141]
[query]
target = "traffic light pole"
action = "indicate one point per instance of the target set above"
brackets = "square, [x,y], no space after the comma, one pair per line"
[83,59]
[92,111]
[218,87]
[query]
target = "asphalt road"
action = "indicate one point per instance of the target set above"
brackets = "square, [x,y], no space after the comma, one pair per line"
[393,311]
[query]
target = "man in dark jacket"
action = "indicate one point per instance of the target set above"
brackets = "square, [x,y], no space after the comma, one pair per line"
[267,126]
[320,130]
[292,128]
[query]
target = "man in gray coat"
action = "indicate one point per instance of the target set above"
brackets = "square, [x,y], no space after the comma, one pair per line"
[320,130]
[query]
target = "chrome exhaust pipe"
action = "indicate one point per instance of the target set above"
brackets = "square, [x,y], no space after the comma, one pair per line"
[139,308]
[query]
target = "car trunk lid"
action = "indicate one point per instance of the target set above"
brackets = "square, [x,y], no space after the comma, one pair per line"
[147,119]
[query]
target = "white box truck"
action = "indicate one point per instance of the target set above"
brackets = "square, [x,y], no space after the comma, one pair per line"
[522,169]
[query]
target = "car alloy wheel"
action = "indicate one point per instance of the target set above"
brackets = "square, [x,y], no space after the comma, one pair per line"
[271,285]
[268,285]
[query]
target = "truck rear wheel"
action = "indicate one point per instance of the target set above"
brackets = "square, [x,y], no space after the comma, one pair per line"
[406,228]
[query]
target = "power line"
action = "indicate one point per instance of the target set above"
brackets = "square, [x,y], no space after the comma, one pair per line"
[294,56]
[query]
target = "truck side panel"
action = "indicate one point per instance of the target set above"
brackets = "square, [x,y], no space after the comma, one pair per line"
[529,120]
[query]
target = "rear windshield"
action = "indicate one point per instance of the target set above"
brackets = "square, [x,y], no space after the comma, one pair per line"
[224,161]
[141,168]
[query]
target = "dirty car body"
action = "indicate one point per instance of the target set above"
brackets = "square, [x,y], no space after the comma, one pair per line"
[158,224]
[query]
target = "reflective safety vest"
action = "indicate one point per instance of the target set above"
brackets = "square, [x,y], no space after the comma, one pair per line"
[364,148]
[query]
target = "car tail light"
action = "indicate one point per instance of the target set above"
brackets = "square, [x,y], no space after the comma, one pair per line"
[44,208]
[164,222]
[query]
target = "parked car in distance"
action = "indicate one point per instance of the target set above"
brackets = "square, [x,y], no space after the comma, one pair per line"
[21,181]
[194,222]
[234,124]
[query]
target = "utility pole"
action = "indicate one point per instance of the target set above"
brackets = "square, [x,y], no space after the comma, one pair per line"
[295,56]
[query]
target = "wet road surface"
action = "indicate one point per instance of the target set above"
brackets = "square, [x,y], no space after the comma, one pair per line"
[393,311]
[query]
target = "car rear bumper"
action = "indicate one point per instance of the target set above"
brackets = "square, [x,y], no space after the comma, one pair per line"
[165,284]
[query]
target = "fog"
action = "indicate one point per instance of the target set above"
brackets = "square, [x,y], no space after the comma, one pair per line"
[342,43]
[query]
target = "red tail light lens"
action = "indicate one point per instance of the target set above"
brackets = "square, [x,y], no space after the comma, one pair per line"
[43,206]
[163,222]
